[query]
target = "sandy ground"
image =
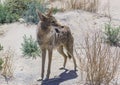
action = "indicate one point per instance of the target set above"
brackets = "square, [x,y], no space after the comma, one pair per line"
[27,71]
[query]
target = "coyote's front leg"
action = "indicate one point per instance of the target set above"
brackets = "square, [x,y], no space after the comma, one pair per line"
[43,63]
[49,63]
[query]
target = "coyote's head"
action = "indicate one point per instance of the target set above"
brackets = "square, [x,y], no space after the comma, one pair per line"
[47,20]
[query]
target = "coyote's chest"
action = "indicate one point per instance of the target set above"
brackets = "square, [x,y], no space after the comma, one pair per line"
[53,39]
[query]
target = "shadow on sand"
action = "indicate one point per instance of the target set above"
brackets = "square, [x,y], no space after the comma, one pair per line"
[64,76]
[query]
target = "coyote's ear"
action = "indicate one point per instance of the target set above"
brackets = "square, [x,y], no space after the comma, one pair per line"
[41,16]
[50,11]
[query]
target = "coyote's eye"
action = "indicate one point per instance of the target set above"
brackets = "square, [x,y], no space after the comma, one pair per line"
[62,26]
[53,21]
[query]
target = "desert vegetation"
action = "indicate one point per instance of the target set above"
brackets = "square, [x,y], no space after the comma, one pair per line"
[12,10]
[112,35]
[1,47]
[6,64]
[87,5]
[6,16]
[98,61]
[7,68]
[30,47]
[1,62]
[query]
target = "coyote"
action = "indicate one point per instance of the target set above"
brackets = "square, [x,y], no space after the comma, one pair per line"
[51,35]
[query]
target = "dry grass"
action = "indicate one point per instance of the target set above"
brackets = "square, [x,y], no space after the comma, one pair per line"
[87,5]
[7,68]
[99,61]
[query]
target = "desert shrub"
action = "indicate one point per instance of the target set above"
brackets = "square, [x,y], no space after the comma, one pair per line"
[16,6]
[19,6]
[99,62]
[12,10]
[87,5]
[7,67]
[30,47]
[112,35]
[1,47]
[30,15]
[55,10]
[6,16]
[1,62]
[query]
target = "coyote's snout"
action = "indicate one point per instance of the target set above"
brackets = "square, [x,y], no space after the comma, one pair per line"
[52,35]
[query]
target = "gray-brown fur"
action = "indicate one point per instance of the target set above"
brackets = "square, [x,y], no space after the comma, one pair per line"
[51,35]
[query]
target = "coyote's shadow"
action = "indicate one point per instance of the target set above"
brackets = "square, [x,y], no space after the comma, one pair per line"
[64,76]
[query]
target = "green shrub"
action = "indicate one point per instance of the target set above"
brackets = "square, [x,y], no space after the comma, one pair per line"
[1,62]
[12,10]
[30,15]
[6,16]
[19,6]
[112,35]
[1,47]
[16,6]
[30,47]
[55,10]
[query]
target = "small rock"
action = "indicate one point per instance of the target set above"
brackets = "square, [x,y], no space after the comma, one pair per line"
[21,20]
